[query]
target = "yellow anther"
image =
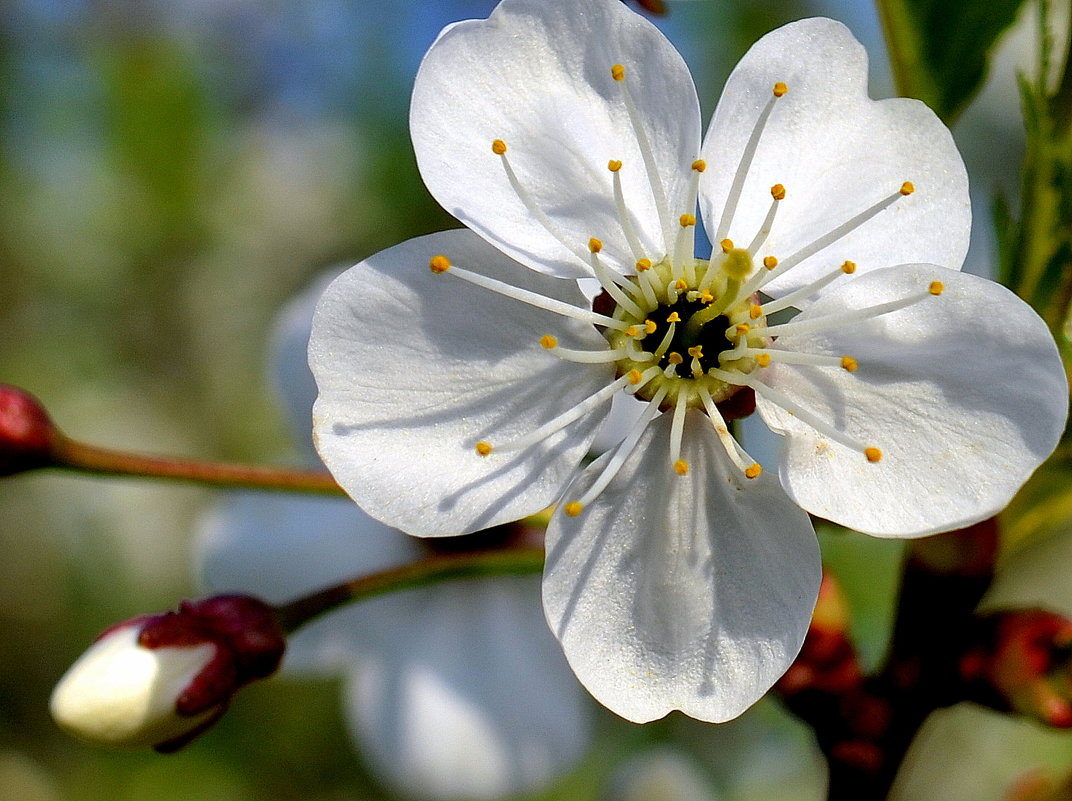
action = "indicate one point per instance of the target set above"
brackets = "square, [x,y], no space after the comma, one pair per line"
[907,188]
[936,288]
[674,357]
[742,329]
[595,245]
[643,264]
[699,165]
[726,245]
[753,470]
[686,220]
[873,454]
[631,331]
[573,508]
[673,317]
[681,467]
[483,448]
[439,264]
[649,327]
[634,376]
[614,165]
[780,89]
[696,351]
[706,296]
[770,262]
[498,147]
[777,192]
[763,360]
[849,267]
[681,285]
[548,341]
[617,72]
[755,311]
[849,363]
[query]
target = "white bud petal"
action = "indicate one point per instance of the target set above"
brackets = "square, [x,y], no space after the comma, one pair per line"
[119,693]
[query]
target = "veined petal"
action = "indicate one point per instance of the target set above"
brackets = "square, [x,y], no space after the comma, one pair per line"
[681,592]
[414,369]
[837,153]
[537,76]
[963,393]
[474,701]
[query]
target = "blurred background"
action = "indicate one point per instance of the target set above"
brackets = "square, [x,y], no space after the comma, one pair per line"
[171,173]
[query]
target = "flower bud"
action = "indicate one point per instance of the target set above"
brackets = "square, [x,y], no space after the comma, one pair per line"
[27,435]
[161,680]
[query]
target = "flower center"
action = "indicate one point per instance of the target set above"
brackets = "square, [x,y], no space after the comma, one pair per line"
[678,330]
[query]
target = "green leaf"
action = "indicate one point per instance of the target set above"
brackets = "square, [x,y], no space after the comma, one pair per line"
[939,48]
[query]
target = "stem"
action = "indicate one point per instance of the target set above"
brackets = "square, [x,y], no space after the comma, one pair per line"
[411,576]
[73,455]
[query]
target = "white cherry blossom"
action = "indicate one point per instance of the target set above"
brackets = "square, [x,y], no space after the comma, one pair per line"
[463,375]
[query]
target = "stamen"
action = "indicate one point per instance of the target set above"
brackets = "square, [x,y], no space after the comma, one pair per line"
[677,427]
[556,424]
[685,245]
[624,217]
[734,196]
[839,319]
[553,305]
[498,147]
[764,356]
[621,454]
[607,281]
[777,194]
[737,455]
[483,448]
[829,238]
[646,279]
[654,180]
[806,416]
[668,337]
[637,379]
[805,292]
[583,356]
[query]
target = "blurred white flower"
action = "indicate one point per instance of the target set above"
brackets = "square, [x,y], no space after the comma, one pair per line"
[911,398]
[452,691]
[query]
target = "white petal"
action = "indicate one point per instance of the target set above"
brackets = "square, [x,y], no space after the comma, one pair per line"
[836,152]
[414,369]
[964,394]
[474,701]
[538,76]
[681,592]
[280,547]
